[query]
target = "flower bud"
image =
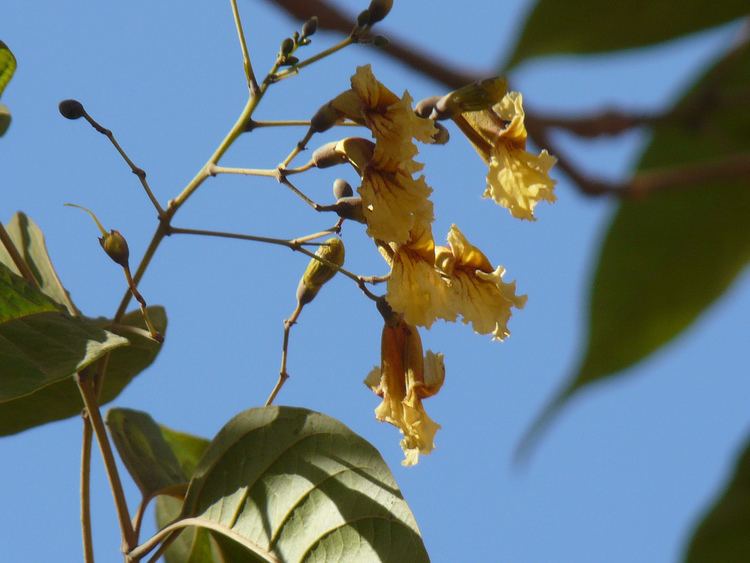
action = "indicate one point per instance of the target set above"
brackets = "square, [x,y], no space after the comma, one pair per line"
[71,109]
[363,18]
[342,188]
[379,10]
[476,96]
[310,27]
[116,247]
[318,273]
[441,136]
[325,118]
[350,208]
[380,41]
[327,156]
[287,46]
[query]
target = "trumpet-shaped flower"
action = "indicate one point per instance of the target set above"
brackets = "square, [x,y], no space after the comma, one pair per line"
[517,179]
[477,290]
[405,377]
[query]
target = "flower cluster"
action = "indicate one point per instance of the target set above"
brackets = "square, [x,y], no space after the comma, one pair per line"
[428,281]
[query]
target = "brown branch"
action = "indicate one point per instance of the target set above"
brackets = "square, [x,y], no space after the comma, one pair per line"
[608,122]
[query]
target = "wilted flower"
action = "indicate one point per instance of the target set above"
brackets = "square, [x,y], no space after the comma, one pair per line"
[405,377]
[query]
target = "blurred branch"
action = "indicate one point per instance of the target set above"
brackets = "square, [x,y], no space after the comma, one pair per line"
[608,122]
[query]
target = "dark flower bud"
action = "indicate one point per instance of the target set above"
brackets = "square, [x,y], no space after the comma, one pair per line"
[310,27]
[379,10]
[116,247]
[287,46]
[290,61]
[342,188]
[441,136]
[424,107]
[380,41]
[363,19]
[71,109]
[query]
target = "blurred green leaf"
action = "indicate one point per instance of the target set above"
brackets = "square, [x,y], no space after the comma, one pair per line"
[5,119]
[7,66]
[144,451]
[724,534]
[29,241]
[289,484]
[62,399]
[667,257]
[39,343]
[587,26]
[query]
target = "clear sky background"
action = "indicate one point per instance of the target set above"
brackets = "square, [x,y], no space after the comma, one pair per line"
[626,469]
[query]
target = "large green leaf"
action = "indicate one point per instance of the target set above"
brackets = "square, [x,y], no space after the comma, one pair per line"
[194,545]
[144,451]
[7,66]
[588,26]
[28,239]
[288,484]
[667,257]
[62,399]
[724,534]
[39,343]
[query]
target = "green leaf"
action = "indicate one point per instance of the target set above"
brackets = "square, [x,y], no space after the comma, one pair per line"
[7,66]
[144,451]
[62,400]
[193,545]
[289,484]
[723,534]
[28,239]
[588,26]
[39,343]
[669,256]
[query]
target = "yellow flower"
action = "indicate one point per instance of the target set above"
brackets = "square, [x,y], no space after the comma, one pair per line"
[415,288]
[517,179]
[403,379]
[477,291]
[394,201]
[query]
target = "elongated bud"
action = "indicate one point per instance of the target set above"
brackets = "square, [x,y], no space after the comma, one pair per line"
[310,27]
[287,46]
[363,18]
[325,118]
[342,188]
[476,96]
[317,272]
[379,10]
[327,156]
[350,208]
[116,247]
[71,109]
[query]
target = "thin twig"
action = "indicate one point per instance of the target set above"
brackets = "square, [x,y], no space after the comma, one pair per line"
[86,529]
[315,58]
[88,394]
[283,374]
[252,124]
[138,171]
[252,83]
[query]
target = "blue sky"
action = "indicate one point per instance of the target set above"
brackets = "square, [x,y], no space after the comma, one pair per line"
[625,470]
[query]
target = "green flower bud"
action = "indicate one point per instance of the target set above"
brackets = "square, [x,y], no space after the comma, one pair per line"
[342,188]
[116,247]
[379,10]
[71,109]
[318,273]
[310,27]
[476,96]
